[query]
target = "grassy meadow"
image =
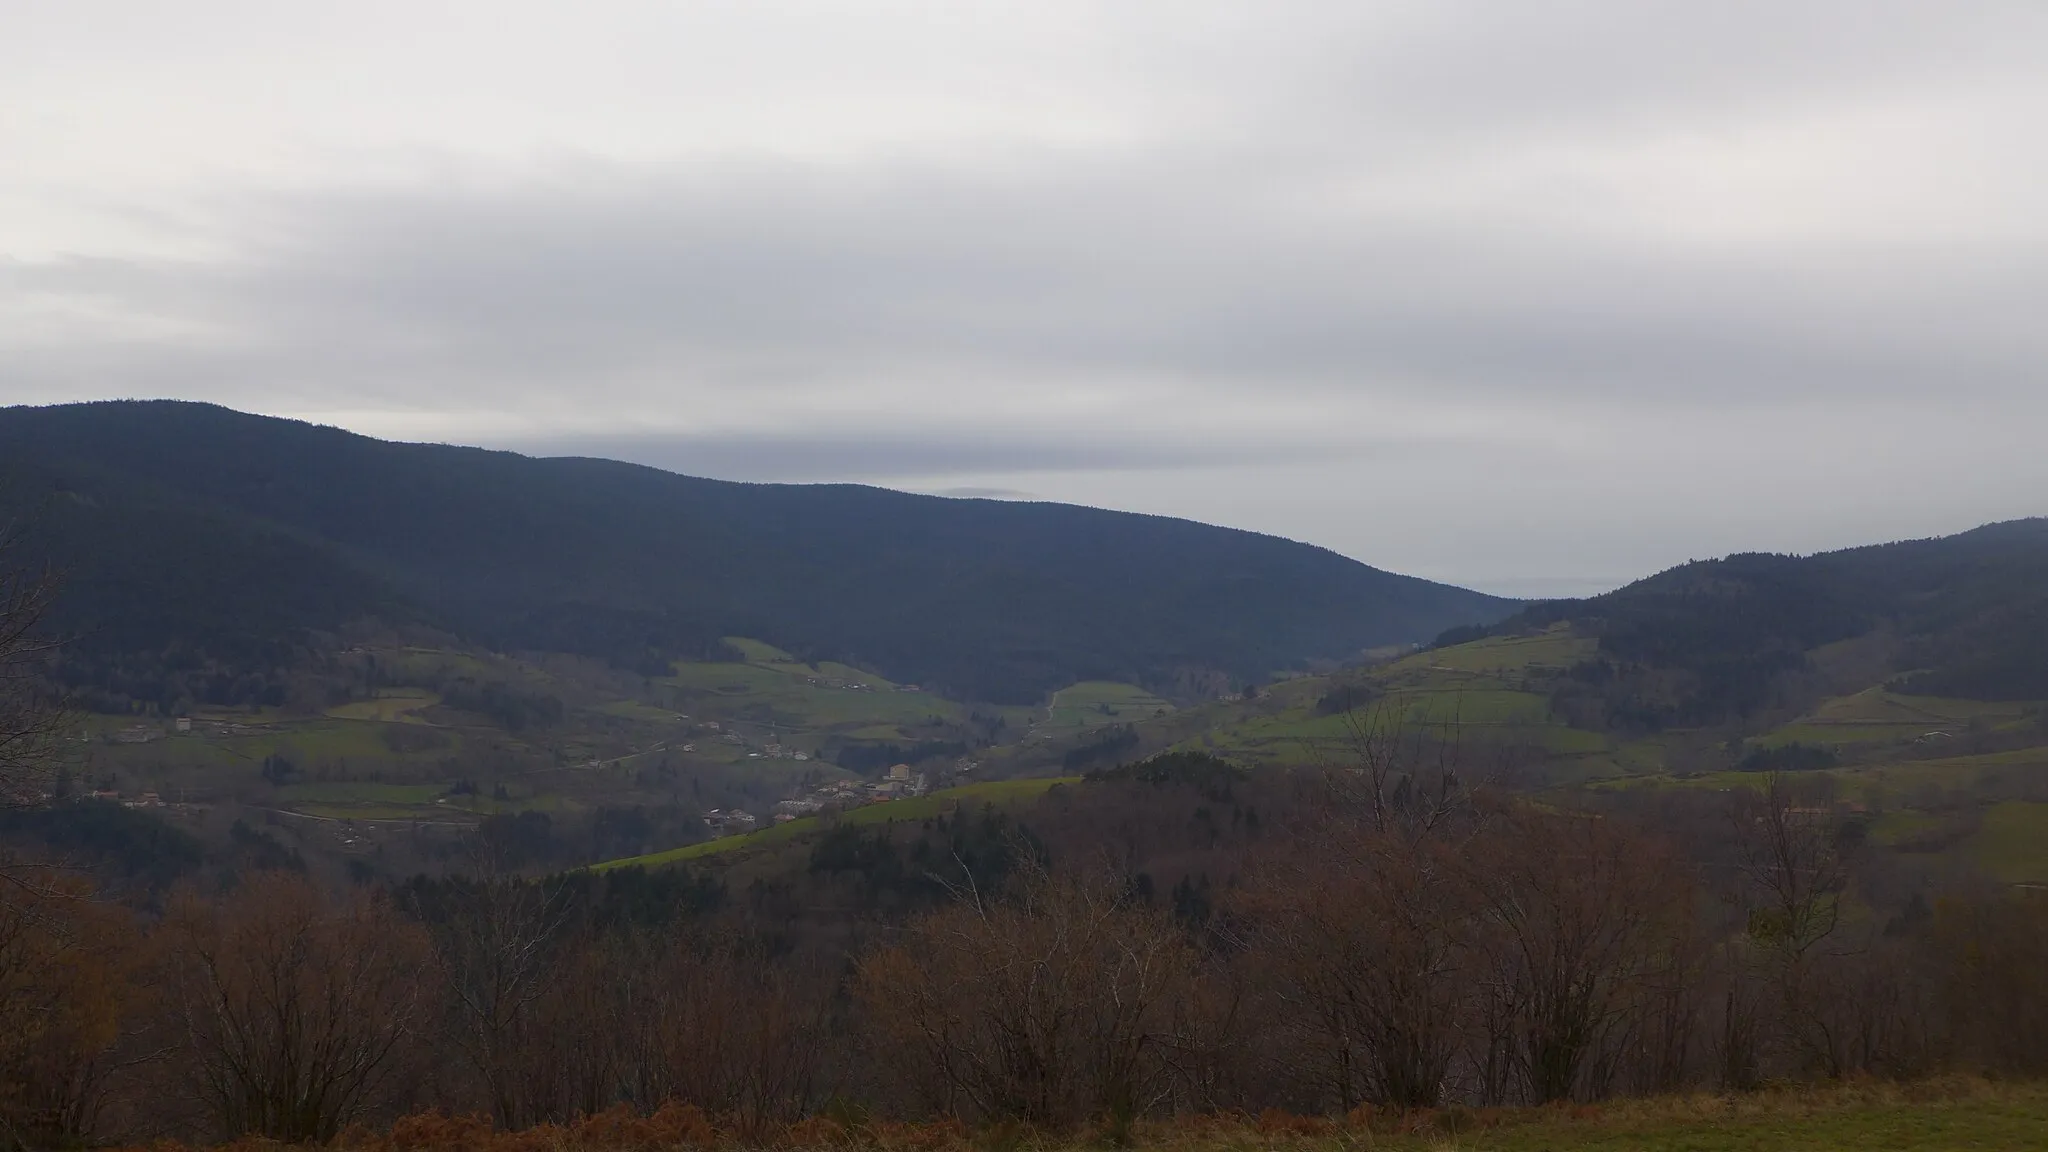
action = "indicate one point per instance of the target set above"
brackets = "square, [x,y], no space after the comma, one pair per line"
[401,752]
[1947,1115]
[1097,704]
[1480,691]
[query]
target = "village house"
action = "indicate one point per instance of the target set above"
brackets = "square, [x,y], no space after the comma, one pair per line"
[727,821]
[789,810]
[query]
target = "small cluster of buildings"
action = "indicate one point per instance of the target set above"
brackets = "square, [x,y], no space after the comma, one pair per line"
[778,752]
[836,796]
[180,725]
[729,821]
[835,682]
[142,800]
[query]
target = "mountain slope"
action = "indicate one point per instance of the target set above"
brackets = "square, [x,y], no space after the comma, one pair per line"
[188,524]
[1963,615]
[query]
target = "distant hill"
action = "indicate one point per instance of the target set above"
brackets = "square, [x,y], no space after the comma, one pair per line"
[210,534]
[1961,616]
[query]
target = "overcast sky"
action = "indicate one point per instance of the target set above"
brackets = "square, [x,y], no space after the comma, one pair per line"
[1534,297]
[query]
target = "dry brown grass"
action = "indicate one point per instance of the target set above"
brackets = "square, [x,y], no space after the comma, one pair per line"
[1947,1112]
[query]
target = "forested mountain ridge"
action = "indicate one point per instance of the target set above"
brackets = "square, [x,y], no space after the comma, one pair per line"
[193,526]
[1959,616]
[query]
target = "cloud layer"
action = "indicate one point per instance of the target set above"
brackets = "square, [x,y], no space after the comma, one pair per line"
[1534,298]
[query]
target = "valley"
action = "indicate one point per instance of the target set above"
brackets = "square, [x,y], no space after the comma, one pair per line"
[626,772]
[1306,840]
[395,776]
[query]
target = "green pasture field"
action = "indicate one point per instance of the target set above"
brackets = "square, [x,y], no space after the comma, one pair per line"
[1709,781]
[1475,686]
[910,808]
[765,655]
[1475,706]
[430,663]
[1487,716]
[428,796]
[205,753]
[1848,737]
[489,806]
[1876,716]
[316,739]
[783,696]
[381,812]
[363,792]
[760,652]
[852,675]
[1878,706]
[249,716]
[2013,845]
[391,706]
[408,802]
[1898,780]
[1098,703]
[639,710]
[1637,757]
[1894,827]
[727,679]
[1556,648]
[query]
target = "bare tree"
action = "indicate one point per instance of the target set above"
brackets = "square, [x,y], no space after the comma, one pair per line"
[291,1014]
[1391,775]
[1581,919]
[1363,940]
[45,1018]
[1790,855]
[1052,1007]
[29,716]
[1358,924]
[498,949]
[68,996]
[719,1023]
[1988,972]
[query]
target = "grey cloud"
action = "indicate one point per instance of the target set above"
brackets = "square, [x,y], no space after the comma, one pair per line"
[1434,264]
[648,283]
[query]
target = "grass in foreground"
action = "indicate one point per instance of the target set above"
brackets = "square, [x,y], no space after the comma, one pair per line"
[1933,1116]
[1926,1117]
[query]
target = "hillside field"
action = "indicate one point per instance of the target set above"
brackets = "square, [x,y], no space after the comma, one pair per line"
[361,778]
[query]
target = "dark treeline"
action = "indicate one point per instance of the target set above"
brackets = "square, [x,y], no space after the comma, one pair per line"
[1176,936]
[193,529]
[1113,744]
